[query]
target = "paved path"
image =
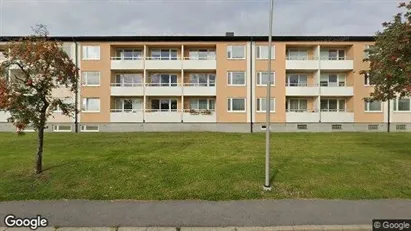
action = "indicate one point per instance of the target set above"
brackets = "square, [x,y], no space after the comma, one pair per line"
[77,213]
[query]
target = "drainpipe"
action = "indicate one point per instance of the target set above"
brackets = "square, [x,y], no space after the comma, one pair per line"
[389,115]
[76,92]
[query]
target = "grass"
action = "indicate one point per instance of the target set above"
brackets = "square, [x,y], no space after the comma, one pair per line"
[207,166]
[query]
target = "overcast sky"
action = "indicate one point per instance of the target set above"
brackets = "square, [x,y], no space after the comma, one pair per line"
[195,17]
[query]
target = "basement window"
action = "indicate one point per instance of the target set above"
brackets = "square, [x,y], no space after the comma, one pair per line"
[62,128]
[302,126]
[89,128]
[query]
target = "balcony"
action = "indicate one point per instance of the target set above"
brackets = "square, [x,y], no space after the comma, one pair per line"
[308,116]
[166,89]
[126,89]
[199,64]
[119,63]
[341,116]
[163,64]
[163,116]
[199,116]
[4,116]
[337,91]
[301,89]
[199,89]
[301,64]
[123,115]
[332,64]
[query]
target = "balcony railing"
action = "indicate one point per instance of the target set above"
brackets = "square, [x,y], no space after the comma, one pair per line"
[200,111]
[199,84]
[302,58]
[126,110]
[302,110]
[163,58]
[335,110]
[199,58]
[126,84]
[163,110]
[163,84]
[127,58]
[300,85]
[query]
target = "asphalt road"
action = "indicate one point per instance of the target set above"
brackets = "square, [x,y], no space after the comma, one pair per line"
[76,213]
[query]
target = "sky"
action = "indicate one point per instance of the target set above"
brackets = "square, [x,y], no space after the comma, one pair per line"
[195,17]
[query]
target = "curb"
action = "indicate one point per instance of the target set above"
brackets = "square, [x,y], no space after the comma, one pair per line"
[271,228]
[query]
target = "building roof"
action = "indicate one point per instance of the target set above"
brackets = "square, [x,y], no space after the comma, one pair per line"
[202,38]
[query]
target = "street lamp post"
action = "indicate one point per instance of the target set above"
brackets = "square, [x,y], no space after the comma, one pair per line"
[267,184]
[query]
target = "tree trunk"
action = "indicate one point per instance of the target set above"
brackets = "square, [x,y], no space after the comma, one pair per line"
[39,155]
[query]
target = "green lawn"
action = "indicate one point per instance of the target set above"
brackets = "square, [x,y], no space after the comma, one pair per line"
[208,166]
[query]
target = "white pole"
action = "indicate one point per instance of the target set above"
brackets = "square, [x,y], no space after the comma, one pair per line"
[267,184]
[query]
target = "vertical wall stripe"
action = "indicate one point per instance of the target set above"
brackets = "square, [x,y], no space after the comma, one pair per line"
[248,78]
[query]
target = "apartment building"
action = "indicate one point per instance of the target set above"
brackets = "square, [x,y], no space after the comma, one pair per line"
[218,83]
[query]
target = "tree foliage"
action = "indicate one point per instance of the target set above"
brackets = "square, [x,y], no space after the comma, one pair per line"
[390,57]
[33,68]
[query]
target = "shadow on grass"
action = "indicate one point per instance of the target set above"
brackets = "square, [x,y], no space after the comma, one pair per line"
[55,166]
[277,169]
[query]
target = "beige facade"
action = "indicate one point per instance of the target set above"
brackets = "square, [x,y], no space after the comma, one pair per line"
[222,80]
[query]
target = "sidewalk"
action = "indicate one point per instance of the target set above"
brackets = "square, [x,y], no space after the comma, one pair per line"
[254,213]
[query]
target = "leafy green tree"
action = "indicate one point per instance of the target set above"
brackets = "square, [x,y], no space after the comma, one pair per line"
[390,57]
[38,66]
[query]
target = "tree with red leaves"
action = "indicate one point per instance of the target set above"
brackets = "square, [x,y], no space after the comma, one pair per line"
[390,58]
[38,65]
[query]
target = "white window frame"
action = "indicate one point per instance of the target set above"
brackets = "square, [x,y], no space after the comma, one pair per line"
[338,54]
[288,104]
[299,76]
[83,128]
[121,51]
[367,107]
[84,78]
[260,78]
[123,84]
[230,52]
[56,128]
[198,84]
[169,105]
[259,52]
[230,105]
[230,75]
[161,84]
[261,102]
[304,55]
[211,54]
[170,51]
[367,80]
[396,104]
[127,110]
[340,78]
[65,101]
[338,105]
[84,103]
[209,102]
[85,52]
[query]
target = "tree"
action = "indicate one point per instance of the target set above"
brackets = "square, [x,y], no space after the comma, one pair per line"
[390,58]
[38,65]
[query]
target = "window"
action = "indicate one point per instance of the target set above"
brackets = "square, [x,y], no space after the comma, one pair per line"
[296,105]
[400,127]
[66,48]
[236,78]
[202,104]
[402,104]
[91,105]
[373,127]
[164,105]
[164,54]
[302,126]
[335,54]
[89,128]
[62,128]
[202,54]
[91,52]
[128,80]
[236,105]
[371,106]
[368,80]
[164,80]
[262,52]
[294,80]
[297,54]
[205,80]
[332,105]
[262,105]
[64,101]
[235,52]
[128,54]
[262,78]
[127,105]
[366,51]
[336,127]
[90,78]
[332,80]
